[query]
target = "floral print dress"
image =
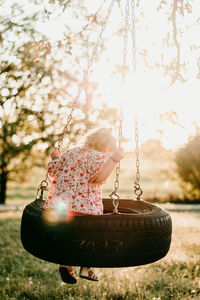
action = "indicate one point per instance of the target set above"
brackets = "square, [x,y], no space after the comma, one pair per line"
[72,178]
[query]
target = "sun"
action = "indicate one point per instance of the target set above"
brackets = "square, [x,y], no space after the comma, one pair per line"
[148,95]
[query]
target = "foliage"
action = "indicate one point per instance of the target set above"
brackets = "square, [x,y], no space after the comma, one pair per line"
[171,47]
[39,76]
[175,57]
[154,150]
[36,93]
[188,167]
[177,276]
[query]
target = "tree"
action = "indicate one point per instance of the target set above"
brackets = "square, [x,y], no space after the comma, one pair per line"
[165,33]
[188,167]
[167,37]
[39,77]
[36,94]
[154,150]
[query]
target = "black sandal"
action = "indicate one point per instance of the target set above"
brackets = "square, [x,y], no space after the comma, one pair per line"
[67,274]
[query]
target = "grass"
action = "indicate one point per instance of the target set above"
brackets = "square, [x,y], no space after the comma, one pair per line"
[177,276]
[20,195]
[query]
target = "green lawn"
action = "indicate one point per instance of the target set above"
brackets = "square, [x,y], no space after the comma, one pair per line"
[177,276]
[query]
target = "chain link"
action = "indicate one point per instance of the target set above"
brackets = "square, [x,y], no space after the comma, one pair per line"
[133,33]
[114,194]
[44,183]
[137,188]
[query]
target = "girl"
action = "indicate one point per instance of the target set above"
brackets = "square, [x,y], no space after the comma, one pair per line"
[77,176]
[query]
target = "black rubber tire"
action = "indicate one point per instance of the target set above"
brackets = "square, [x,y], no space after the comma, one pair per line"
[138,235]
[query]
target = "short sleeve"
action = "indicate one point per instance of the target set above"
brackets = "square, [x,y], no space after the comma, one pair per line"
[96,161]
[54,167]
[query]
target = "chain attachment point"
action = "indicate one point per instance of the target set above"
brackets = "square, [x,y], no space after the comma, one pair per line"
[115,197]
[124,70]
[41,188]
[138,191]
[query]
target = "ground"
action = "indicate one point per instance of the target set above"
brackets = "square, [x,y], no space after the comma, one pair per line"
[177,276]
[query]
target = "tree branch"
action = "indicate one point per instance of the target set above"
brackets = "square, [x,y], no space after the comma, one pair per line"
[176,75]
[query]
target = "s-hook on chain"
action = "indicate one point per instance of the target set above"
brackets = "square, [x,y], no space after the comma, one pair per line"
[44,183]
[114,195]
[137,189]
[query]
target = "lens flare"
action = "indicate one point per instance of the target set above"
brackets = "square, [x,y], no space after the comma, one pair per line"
[60,212]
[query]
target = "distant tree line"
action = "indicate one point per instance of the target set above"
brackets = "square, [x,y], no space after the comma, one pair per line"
[188,167]
[187,160]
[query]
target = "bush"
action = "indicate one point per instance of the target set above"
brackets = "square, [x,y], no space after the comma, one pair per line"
[188,167]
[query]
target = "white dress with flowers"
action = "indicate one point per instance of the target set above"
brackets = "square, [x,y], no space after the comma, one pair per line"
[72,178]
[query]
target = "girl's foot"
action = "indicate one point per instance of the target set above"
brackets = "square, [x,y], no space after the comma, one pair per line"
[67,274]
[88,273]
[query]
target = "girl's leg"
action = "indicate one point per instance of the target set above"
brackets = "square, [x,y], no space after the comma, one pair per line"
[67,274]
[88,273]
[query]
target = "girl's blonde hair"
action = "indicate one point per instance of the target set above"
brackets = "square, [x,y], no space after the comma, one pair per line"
[100,139]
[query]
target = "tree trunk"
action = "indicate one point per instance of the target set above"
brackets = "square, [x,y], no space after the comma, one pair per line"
[3,184]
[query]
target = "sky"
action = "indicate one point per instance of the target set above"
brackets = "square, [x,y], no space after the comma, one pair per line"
[145,91]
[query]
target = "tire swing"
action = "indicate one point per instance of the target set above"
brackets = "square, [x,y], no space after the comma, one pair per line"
[133,233]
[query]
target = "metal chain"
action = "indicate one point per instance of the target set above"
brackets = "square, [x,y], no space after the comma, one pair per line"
[133,33]
[85,75]
[137,188]
[116,184]
[114,195]
[124,67]
[44,183]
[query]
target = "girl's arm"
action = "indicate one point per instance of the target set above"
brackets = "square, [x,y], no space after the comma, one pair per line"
[109,166]
[54,165]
